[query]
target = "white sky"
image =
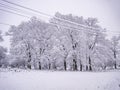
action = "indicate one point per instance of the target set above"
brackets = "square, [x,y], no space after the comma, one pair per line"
[107,12]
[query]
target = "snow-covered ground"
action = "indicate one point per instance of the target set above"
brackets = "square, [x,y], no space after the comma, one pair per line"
[58,80]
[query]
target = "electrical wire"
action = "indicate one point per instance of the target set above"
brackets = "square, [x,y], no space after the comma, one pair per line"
[13,13]
[33,10]
[52,23]
[42,14]
[5,24]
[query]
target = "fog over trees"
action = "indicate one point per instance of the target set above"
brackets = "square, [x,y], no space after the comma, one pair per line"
[66,42]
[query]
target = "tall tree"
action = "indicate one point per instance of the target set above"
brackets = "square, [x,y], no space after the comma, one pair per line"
[115,48]
[31,40]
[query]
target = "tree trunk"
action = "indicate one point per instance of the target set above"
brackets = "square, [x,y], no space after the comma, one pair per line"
[65,66]
[29,66]
[74,65]
[29,60]
[39,66]
[90,66]
[86,67]
[104,67]
[80,67]
[29,57]
[54,65]
[115,64]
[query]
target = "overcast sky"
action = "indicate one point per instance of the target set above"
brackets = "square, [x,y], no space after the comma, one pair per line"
[107,12]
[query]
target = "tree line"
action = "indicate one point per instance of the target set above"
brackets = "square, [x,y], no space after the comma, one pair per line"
[78,45]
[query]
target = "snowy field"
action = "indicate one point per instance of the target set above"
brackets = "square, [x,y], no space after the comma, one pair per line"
[58,80]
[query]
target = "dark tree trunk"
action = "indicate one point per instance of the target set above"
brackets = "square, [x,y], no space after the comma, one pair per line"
[29,60]
[29,66]
[80,66]
[74,65]
[54,65]
[29,57]
[65,66]
[115,64]
[39,66]
[104,67]
[86,67]
[90,66]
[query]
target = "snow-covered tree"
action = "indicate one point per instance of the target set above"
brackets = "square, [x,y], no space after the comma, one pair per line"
[31,40]
[114,47]
[67,42]
[3,52]
[81,38]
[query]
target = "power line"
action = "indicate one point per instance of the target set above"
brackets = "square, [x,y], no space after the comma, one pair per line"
[23,16]
[12,8]
[5,24]
[8,7]
[33,10]
[13,13]
[27,8]
[52,23]
[68,27]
